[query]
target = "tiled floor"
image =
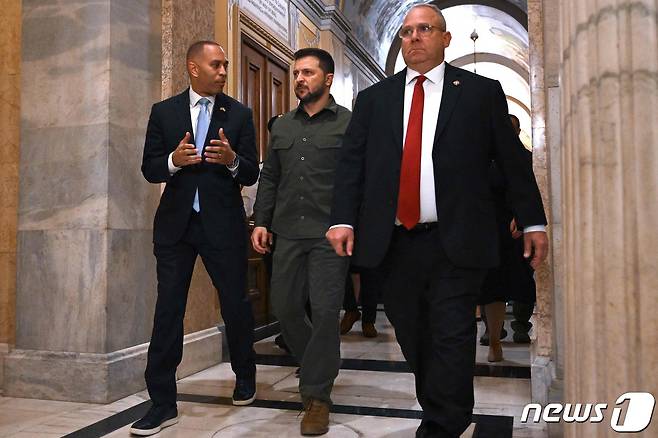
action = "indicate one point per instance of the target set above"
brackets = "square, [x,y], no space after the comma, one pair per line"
[384,400]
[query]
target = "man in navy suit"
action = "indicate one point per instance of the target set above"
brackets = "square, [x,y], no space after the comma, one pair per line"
[202,144]
[412,199]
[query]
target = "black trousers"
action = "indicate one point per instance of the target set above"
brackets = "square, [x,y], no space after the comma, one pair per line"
[431,304]
[368,297]
[227,270]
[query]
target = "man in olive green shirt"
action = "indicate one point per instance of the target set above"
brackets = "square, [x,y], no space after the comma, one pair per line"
[294,202]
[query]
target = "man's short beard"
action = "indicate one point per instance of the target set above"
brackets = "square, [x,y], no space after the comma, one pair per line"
[312,96]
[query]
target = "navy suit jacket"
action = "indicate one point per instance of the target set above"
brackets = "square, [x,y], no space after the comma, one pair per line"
[222,211]
[473,128]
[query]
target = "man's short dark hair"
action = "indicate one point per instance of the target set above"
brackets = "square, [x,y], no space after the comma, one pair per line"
[512,116]
[324,58]
[196,48]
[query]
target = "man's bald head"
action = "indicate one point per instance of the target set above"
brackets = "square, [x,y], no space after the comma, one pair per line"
[196,49]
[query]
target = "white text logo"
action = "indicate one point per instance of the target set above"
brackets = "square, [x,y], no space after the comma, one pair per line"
[637,416]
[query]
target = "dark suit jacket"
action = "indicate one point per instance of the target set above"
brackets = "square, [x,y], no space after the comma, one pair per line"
[473,128]
[222,211]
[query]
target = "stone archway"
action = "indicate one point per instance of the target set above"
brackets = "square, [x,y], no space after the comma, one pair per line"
[494,58]
[509,7]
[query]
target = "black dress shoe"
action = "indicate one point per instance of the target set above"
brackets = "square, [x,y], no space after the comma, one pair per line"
[429,429]
[157,418]
[521,338]
[484,339]
[244,392]
[281,343]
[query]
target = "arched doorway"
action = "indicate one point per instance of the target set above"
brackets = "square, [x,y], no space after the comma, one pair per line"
[500,51]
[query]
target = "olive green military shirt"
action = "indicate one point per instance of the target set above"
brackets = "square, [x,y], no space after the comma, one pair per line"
[296,184]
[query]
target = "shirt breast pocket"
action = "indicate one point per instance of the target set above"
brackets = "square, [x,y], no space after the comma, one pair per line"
[327,152]
[282,144]
[328,142]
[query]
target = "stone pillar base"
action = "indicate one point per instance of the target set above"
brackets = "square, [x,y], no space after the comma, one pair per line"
[4,350]
[98,378]
[542,375]
[547,388]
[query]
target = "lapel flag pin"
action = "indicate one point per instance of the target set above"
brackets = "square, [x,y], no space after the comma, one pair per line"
[456,83]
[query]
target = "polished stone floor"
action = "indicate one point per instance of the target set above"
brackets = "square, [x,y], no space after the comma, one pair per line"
[373,397]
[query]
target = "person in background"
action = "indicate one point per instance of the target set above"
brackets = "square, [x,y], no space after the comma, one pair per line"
[363,283]
[524,303]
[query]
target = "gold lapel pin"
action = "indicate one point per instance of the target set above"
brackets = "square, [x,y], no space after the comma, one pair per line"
[221,108]
[456,83]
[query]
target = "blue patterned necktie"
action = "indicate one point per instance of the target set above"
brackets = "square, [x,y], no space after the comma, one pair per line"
[200,138]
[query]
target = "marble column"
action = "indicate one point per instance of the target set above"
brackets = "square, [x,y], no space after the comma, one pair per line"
[85,269]
[609,75]
[10,63]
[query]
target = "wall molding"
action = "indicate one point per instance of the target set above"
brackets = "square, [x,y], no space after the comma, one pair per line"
[99,377]
[265,34]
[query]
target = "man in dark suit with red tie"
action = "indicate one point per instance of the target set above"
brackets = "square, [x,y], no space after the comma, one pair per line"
[202,144]
[412,199]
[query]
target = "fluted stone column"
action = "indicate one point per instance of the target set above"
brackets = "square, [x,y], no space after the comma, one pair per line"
[85,274]
[610,197]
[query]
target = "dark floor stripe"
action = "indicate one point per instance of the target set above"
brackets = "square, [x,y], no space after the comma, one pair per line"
[112,423]
[502,371]
[297,406]
[481,370]
[267,330]
[486,426]
[508,311]
[490,426]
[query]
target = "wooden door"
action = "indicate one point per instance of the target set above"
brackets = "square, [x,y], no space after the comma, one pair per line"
[265,89]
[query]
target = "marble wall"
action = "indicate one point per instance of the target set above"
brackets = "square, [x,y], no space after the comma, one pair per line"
[10,59]
[609,95]
[79,175]
[85,270]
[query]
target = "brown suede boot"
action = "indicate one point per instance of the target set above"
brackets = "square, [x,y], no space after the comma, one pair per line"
[369,330]
[349,318]
[316,418]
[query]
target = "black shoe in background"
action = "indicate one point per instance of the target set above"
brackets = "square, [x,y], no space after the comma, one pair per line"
[281,343]
[484,339]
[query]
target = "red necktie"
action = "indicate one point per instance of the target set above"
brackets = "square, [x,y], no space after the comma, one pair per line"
[409,197]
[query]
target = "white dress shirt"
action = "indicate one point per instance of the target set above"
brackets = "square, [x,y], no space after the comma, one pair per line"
[433,88]
[195,109]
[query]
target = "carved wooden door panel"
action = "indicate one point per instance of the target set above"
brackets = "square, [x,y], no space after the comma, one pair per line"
[265,89]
